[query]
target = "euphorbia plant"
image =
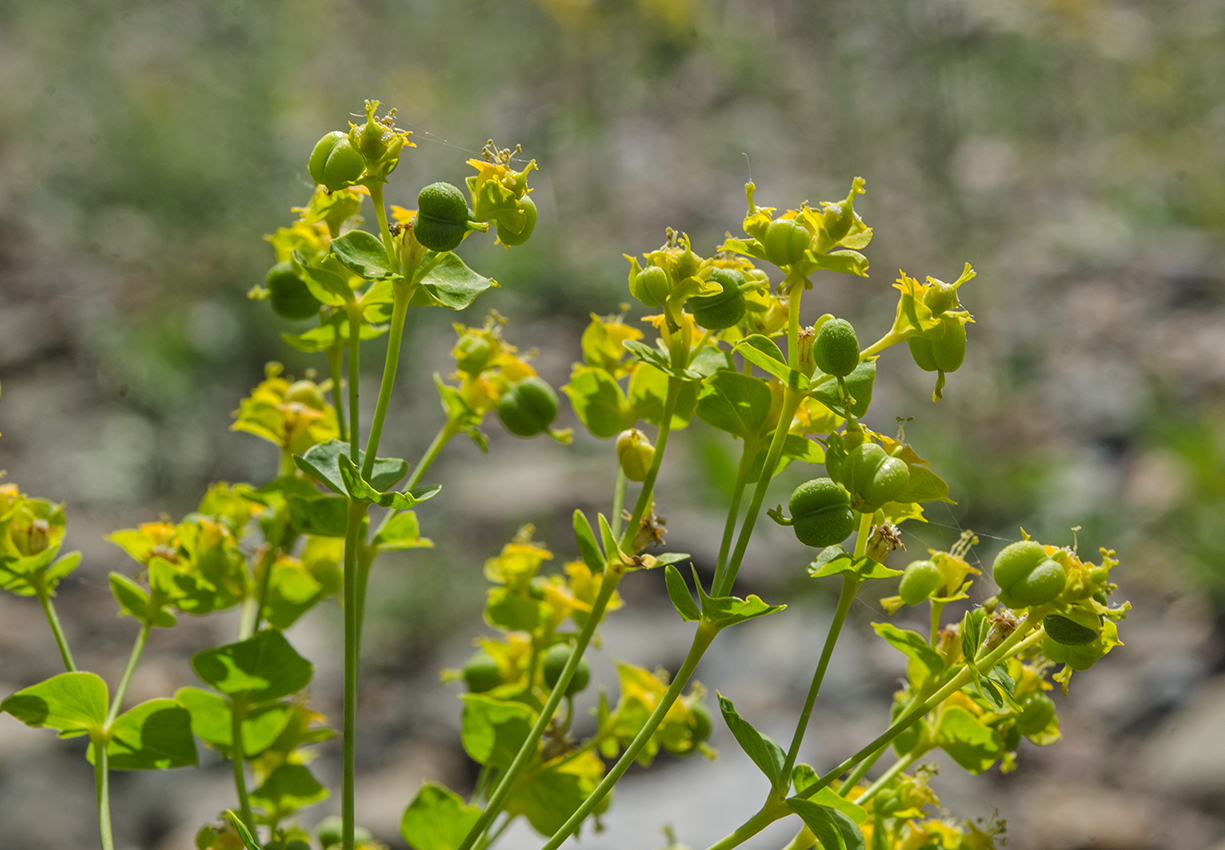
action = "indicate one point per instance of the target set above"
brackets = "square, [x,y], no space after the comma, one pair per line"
[730,349]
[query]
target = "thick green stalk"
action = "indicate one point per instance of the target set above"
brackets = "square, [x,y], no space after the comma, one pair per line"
[791,402]
[357,510]
[769,813]
[238,712]
[334,355]
[618,501]
[355,347]
[701,640]
[647,494]
[380,212]
[891,338]
[444,435]
[850,586]
[937,610]
[399,310]
[896,768]
[528,750]
[103,795]
[860,771]
[61,641]
[733,512]
[133,660]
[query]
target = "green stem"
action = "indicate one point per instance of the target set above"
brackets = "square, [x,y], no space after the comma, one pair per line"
[491,839]
[860,771]
[891,338]
[444,435]
[262,596]
[399,310]
[791,401]
[56,629]
[238,712]
[850,586]
[357,510]
[528,750]
[646,496]
[376,195]
[355,346]
[937,610]
[133,659]
[886,777]
[334,355]
[701,640]
[769,813]
[751,448]
[103,795]
[803,840]
[618,501]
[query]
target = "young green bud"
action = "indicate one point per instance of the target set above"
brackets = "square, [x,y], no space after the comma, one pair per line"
[785,241]
[442,217]
[920,580]
[650,286]
[334,162]
[510,237]
[555,661]
[471,353]
[635,454]
[528,407]
[481,672]
[1037,710]
[821,513]
[700,722]
[836,350]
[289,295]
[723,309]
[875,477]
[1027,575]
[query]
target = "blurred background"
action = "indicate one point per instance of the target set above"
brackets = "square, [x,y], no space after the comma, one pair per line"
[1071,150]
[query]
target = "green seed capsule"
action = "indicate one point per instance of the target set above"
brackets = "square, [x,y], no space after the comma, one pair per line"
[1068,632]
[785,241]
[335,162]
[940,297]
[288,294]
[510,237]
[635,454]
[1027,576]
[821,513]
[442,217]
[723,309]
[837,348]
[555,661]
[919,582]
[874,476]
[700,721]
[945,354]
[1037,710]
[481,672]
[651,286]
[528,407]
[471,353]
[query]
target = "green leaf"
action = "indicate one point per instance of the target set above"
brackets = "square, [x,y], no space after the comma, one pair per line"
[153,735]
[858,384]
[598,401]
[765,753]
[322,462]
[333,332]
[832,828]
[648,391]
[834,560]
[649,355]
[971,633]
[803,776]
[967,741]
[911,644]
[437,819]
[449,284]
[925,486]
[553,794]
[288,788]
[292,591]
[211,721]
[612,548]
[259,669]
[727,611]
[134,601]
[74,703]
[735,403]
[325,516]
[363,253]
[512,611]
[678,592]
[402,532]
[493,730]
[327,287]
[765,355]
[588,548]
[244,834]
[358,488]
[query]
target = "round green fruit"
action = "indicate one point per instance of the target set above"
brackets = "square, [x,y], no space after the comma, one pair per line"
[510,237]
[481,672]
[919,582]
[555,661]
[785,241]
[528,407]
[945,354]
[651,286]
[1026,575]
[335,162]
[1036,712]
[442,217]
[472,353]
[288,294]
[821,513]
[874,476]
[836,349]
[700,721]
[723,309]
